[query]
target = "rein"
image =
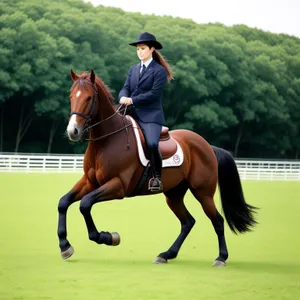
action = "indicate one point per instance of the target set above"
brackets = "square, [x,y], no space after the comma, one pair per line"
[113,132]
[88,118]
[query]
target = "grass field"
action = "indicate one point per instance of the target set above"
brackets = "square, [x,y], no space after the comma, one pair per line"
[263,264]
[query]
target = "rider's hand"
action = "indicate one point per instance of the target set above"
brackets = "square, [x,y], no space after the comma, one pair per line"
[125,100]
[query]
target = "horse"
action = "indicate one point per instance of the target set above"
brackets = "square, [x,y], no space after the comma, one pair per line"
[112,170]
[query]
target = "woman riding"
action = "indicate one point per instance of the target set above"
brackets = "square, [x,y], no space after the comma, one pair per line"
[143,90]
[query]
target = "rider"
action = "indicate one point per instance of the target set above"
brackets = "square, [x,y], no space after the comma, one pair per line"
[143,90]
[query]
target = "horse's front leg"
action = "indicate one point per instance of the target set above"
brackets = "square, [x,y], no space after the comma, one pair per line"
[113,189]
[81,188]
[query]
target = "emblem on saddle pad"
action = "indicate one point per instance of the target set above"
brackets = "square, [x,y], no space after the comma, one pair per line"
[170,149]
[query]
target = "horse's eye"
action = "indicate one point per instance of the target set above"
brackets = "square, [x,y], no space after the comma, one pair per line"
[89,98]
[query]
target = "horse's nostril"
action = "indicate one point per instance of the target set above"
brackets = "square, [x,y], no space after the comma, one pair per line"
[75,131]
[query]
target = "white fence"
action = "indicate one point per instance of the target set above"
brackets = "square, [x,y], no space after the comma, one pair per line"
[248,169]
[41,163]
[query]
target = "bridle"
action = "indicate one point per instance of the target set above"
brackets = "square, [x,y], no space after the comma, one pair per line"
[88,118]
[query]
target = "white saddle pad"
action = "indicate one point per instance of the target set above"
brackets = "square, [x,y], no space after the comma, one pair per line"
[174,161]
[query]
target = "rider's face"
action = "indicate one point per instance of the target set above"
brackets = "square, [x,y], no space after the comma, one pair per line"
[144,52]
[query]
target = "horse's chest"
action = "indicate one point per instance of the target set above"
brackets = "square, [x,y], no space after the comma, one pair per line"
[110,164]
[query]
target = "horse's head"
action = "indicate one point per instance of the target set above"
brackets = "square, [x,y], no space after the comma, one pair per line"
[83,98]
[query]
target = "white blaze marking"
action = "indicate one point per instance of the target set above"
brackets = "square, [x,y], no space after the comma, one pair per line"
[78,94]
[72,124]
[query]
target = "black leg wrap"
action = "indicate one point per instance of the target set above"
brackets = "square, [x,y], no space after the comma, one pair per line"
[218,224]
[65,245]
[102,237]
[174,249]
[63,206]
[105,238]
[170,254]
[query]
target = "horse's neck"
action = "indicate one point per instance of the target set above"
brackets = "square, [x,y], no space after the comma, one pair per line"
[109,121]
[106,110]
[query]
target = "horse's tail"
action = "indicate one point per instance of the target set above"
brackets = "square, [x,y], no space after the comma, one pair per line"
[238,214]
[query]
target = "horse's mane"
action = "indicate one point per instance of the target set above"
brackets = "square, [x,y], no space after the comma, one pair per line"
[102,88]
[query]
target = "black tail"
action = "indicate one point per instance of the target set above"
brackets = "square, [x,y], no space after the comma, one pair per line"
[238,214]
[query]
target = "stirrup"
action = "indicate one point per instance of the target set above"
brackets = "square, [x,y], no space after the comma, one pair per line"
[154,189]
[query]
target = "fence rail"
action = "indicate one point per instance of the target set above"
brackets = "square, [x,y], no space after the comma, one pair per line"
[41,163]
[248,169]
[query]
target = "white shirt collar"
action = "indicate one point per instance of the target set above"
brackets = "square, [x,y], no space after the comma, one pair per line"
[147,63]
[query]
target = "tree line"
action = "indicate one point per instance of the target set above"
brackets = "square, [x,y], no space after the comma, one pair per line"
[236,86]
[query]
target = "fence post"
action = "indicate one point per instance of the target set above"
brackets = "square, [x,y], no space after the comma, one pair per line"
[44,165]
[74,164]
[272,171]
[27,164]
[9,163]
[59,165]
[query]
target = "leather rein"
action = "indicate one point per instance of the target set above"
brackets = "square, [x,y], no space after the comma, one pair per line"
[88,118]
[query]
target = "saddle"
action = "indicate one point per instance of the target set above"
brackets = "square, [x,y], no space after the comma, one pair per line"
[171,151]
[167,145]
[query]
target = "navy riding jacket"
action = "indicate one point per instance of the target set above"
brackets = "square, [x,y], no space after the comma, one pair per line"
[146,92]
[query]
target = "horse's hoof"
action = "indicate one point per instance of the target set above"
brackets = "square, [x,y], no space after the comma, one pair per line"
[219,263]
[160,260]
[68,253]
[116,239]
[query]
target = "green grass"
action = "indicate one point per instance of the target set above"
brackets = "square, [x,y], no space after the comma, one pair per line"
[263,264]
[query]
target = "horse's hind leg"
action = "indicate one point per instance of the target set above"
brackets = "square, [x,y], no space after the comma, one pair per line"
[217,220]
[174,198]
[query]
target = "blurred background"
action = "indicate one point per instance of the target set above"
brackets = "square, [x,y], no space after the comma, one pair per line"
[236,69]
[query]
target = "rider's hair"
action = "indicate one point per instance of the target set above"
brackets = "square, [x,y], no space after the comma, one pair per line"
[158,57]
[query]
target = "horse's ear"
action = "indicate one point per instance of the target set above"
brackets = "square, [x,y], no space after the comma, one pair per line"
[92,76]
[74,76]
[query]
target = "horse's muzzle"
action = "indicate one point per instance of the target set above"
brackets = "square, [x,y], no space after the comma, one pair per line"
[75,132]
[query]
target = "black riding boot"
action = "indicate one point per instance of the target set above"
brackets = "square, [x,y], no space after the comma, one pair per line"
[155,184]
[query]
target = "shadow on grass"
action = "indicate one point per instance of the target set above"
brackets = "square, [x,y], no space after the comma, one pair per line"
[263,266]
[71,261]
[188,264]
[255,266]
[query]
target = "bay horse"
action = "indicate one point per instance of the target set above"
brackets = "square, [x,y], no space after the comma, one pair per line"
[112,170]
